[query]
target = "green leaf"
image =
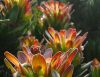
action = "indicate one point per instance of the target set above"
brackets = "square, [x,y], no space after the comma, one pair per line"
[13,13]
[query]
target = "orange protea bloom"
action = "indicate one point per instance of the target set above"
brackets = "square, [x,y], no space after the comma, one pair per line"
[29,41]
[41,65]
[32,44]
[64,39]
[56,13]
[95,64]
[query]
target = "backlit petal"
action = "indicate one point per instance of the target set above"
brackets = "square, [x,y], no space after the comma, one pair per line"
[9,66]
[55,60]
[21,57]
[48,53]
[51,31]
[68,72]
[12,58]
[39,64]
[68,62]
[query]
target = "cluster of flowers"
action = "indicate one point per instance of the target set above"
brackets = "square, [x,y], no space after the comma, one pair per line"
[61,51]
[49,60]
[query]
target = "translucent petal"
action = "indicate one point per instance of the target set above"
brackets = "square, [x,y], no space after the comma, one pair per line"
[39,64]
[12,58]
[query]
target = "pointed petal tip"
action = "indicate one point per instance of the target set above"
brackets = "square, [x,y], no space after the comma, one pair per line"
[6,52]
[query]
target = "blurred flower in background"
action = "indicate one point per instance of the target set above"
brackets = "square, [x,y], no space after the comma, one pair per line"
[95,68]
[56,14]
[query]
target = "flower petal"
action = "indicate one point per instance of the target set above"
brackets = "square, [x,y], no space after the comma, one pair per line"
[68,72]
[9,66]
[57,7]
[80,40]
[35,42]
[55,60]
[48,53]
[68,62]
[63,34]
[39,64]
[21,57]
[62,58]
[71,56]
[69,44]
[12,58]
[51,31]
[57,38]
[25,51]
[72,33]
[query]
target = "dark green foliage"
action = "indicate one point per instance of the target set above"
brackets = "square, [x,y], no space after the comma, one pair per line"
[36,28]
[4,72]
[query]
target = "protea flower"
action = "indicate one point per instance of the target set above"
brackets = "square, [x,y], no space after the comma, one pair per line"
[28,41]
[66,39]
[32,44]
[38,65]
[55,13]
[95,68]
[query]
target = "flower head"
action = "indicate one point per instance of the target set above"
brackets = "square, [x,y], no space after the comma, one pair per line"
[95,68]
[32,44]
[65,39]
[56,13]
[39,65]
